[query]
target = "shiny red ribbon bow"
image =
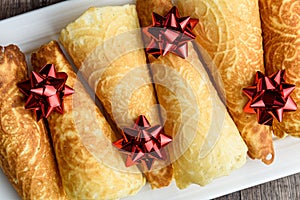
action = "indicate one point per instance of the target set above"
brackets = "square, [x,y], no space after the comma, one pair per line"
[269,97]
[170,34]
[45,91]
[143,143]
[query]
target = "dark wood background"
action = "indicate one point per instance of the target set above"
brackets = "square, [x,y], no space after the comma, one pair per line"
[284,188]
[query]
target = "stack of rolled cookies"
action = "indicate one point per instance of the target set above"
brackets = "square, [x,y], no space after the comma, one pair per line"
[27,156]
[74,157]
[116,75]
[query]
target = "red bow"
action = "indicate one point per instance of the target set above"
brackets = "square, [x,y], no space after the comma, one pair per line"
[269,97]
[45,91]
[143,143]
[170,34]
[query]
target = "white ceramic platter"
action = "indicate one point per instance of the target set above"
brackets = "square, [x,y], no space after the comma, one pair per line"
[30,30]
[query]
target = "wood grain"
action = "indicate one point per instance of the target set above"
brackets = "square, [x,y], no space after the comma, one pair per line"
[284,188]
[9,8]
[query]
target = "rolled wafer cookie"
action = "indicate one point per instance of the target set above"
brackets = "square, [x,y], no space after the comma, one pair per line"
[206,143]
[230,33]
[106,46]
[281,39]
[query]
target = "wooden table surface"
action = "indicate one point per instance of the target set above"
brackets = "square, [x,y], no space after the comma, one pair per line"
[284,188]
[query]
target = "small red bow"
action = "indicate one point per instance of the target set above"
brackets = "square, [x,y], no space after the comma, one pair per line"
[45,91]
[143,143]
[170,34]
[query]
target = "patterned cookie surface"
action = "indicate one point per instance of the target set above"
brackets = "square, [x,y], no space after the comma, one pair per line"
[229,31]
[26,156]
[281,34]
[82,129]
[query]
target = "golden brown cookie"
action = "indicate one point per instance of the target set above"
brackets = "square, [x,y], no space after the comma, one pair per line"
[281,36]
[26,156]
[230,32]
